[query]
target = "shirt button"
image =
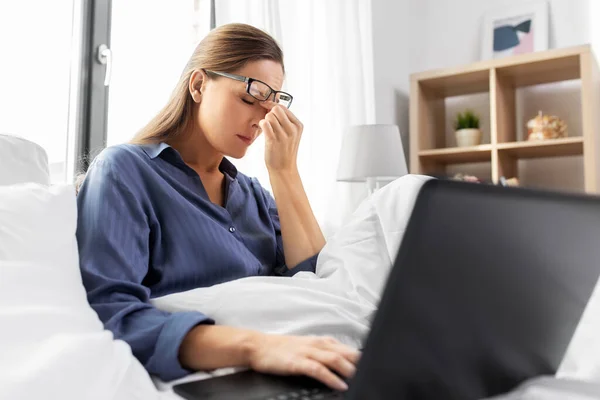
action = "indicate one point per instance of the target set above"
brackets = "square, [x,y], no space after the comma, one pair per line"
[232,229]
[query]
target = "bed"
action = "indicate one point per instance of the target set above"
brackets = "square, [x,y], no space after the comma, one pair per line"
[54,346]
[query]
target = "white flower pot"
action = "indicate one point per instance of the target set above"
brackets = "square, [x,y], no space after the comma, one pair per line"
[468,137]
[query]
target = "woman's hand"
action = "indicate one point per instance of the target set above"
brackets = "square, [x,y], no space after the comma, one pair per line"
[317,357]
[282,137]
[208,347]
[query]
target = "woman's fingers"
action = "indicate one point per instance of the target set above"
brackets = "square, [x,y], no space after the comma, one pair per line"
[284,136]
[318,371]
[294,120]
[280,113]
[335,362]
[349,353]
[331,344]
[276,125]
[267,129]
[289,115]
[321,358]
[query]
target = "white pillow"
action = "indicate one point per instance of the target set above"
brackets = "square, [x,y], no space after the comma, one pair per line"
[52,344]
[22,161]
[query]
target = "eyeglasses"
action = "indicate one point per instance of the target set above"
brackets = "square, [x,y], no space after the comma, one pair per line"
[258,89]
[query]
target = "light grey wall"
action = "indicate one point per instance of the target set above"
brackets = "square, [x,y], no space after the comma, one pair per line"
[391,51]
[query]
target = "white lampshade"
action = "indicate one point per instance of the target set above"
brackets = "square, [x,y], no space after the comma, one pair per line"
[371,152]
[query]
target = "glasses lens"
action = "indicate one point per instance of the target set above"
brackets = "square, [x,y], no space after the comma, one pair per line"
[259,90]
[284,99]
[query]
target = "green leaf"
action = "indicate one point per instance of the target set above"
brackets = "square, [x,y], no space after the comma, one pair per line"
[466,120]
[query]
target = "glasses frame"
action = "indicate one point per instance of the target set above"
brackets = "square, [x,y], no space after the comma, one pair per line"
[248,82]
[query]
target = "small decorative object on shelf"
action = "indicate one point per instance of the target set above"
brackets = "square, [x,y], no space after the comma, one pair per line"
[545,127]
[509,182]
[467,130]
[466,178]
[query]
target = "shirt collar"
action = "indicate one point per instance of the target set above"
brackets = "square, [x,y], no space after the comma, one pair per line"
[153,150]
[227,167]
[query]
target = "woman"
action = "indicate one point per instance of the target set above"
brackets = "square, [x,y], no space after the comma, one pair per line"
[167,213]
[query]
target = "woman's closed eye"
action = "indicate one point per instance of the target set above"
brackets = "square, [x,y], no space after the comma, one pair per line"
[247,101]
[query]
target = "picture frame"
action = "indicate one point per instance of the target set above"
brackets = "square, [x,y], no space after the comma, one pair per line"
[518,29]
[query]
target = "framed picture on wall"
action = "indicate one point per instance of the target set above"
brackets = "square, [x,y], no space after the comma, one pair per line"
[518,29]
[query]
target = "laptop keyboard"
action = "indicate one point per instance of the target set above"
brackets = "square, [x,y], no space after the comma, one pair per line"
[308,394]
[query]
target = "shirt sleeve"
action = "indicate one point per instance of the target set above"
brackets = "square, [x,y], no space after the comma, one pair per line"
[281,269]
[113,239]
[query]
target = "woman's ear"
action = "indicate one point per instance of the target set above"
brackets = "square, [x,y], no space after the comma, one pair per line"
[196,84]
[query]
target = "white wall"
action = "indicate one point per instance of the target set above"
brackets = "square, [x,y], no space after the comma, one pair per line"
[417,35]
[451,30]
[390,67]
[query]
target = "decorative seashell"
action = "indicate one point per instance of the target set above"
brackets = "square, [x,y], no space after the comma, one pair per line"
[546,127]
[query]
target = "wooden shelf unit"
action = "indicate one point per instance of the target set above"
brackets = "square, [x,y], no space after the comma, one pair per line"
[500,78]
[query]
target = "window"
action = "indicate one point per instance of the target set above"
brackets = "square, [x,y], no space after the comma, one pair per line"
[52,85]
[35,51]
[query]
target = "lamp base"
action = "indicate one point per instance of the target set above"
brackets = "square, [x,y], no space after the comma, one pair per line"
[372,185]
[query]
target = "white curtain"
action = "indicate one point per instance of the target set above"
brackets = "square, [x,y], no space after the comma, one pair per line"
[327,47]
[594,11]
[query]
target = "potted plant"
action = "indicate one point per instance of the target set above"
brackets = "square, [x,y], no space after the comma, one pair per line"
[466,128]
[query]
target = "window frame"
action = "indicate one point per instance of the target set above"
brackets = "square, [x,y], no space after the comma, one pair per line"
[91,95]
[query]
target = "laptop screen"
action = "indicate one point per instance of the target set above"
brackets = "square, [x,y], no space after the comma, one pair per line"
[486,292]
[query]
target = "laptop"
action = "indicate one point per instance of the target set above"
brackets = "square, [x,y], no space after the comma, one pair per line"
[486,291]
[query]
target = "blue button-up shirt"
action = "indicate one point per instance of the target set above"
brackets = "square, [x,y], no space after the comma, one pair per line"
[147,228]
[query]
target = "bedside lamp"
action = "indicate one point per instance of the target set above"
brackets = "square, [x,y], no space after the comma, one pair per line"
[371,153]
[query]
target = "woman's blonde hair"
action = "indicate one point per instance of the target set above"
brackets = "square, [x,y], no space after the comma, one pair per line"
[226,49]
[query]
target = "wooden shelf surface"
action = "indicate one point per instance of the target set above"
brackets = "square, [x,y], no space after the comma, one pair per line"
[470,82]
[564,56]
[524,149]
[521,70]
[544,148]
[540,72]
[458,155]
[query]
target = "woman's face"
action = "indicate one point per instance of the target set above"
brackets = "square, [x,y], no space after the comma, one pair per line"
[226,114]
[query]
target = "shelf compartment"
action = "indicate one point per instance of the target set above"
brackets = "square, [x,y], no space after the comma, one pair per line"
[572,146]
[542,70]
[448,84]
[457,155]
